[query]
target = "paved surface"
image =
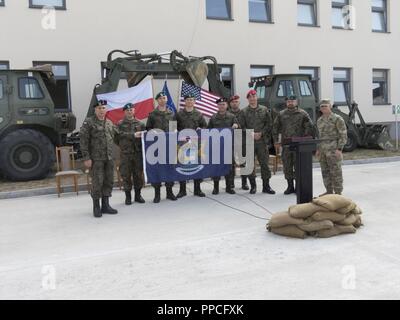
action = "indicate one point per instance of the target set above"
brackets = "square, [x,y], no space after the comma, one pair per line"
[196,248]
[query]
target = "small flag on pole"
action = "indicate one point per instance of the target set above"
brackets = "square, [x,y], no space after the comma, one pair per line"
[170,103]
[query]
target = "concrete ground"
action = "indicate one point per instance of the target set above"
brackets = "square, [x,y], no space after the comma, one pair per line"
[197,248]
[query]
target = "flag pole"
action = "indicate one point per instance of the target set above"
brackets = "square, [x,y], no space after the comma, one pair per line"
[152,89]
[179,94]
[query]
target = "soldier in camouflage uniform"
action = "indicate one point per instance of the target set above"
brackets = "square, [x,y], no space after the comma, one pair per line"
[234,103]
[224,119]
[96,142]
[128,138]
[333,135]
[258,118]
[190,118]
[159,119]
[291,122]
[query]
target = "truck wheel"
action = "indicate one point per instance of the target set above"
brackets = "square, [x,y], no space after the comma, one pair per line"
[351,143]
[26,154]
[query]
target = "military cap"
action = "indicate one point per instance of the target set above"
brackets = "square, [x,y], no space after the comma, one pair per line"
[127,106]
[160,94]
[251,92]
[189,95]
[235,97]
[221,100]
[100,103]
[325,102]
[293,97]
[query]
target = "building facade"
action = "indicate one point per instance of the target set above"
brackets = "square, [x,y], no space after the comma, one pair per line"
[350,47]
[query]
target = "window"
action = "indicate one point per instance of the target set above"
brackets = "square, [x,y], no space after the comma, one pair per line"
[1,89]
[57,4]
[227,77]
[380,86]
[338,16]
[259,71]
[341,86]
[4,65]
[305,90]
[307,12]
[285,88]
[29,88]
[2,3]
[379,16]
[260,10]
[315,81]
[61,93]
[218,9]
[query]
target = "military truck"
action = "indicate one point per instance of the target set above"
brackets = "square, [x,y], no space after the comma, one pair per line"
[30,128]
[272,91]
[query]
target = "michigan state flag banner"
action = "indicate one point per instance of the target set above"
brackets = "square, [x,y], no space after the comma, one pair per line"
[187,155]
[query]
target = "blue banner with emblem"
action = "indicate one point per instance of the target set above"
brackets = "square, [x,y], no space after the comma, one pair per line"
[187,155]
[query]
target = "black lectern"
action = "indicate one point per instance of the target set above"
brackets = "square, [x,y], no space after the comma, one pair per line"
[304,148]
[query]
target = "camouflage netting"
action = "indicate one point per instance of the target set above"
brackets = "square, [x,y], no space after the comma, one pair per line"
[324,217]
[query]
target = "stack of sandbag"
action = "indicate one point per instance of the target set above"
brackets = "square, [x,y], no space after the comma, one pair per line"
[324,217]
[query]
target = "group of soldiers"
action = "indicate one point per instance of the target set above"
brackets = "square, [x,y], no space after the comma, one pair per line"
[98,136]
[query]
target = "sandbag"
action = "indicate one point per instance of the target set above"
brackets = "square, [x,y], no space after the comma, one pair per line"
[357,210]
[347,209]
[281,219]
[330,215]
[316,226]
[336,230]
[304,210]
[332,202]
[289,231]
[351,219]
[358,222]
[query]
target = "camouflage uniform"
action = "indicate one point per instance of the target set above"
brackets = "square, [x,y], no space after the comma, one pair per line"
[291,123]
[333,134]
[131,162]
[226,120]
[96,142]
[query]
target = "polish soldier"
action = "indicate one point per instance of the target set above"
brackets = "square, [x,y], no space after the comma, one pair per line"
[291,122]
[96,142]
[160,119]
[258,118]
[128,138]
[333,135]
[224,119]
[190,118]
[234,108]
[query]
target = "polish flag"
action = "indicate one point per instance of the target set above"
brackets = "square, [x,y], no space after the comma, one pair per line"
[141,96]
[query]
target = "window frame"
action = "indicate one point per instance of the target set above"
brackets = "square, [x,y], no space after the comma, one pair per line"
[37,82]
[232,70]
[285,93]
[229,9]
[383,11]
[2,3]
[1,89]
[36,6]
[260,66]
[315,79]
[308,88]
[339,5]
[6,63]
[386,86]
[269,13]
[314,4]
[346,81]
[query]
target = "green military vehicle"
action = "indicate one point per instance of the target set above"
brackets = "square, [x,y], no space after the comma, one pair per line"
[272,91]
[30,127]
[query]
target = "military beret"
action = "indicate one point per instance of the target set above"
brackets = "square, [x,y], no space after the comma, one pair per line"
[221,100]
[160,94]
[100,103]
[325,102]
[189,95]
[127,106]
[291,98]
[235,97]
[251,92]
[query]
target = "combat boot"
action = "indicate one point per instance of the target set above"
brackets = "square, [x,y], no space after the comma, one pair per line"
[138,196]
[216,187]
[128,198]
[197,190]
[170,194]
[245,186]
[157,196]
[96,208]
[267,188]
[290,189]
[105,206]
[328,191]
[253,185]
[229,188]
[182,190]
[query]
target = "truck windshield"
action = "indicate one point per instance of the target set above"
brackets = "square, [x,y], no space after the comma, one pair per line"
[285,88]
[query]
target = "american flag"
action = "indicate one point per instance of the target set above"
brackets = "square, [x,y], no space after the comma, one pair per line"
[205,101]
